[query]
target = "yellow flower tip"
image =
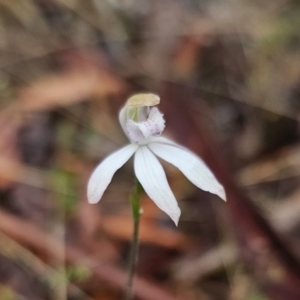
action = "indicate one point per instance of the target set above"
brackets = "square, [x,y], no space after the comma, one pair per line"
[140,100]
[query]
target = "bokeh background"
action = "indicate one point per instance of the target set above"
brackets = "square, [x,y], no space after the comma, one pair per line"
[228,74]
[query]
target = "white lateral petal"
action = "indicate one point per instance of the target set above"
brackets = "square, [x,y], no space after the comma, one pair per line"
[163,140]
[123,118]
[104,172]
[129,113]
[152,177]
[134,132]
[190,165]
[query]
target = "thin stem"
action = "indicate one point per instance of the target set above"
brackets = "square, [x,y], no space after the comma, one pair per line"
[136,213]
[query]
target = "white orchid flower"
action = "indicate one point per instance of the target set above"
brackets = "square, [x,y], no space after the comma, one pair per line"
[143,123]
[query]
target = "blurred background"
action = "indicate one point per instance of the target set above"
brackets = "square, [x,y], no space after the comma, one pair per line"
[228,74]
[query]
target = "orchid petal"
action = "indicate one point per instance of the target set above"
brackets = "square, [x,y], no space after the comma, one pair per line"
[134,132]
[123,118]
[164,140]
[152,177]
[103,174]
[189,164]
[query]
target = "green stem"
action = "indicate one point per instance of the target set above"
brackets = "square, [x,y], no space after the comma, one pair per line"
[136,213]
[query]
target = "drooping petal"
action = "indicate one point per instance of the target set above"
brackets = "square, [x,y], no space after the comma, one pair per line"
[103,174]
[152,177]
[189,164]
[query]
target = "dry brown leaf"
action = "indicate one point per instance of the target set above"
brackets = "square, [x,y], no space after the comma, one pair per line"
[9,158]
[184,60]
[121,227]
[83,78]
[88,218]
[271,167]
[285,214]
[46,244]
